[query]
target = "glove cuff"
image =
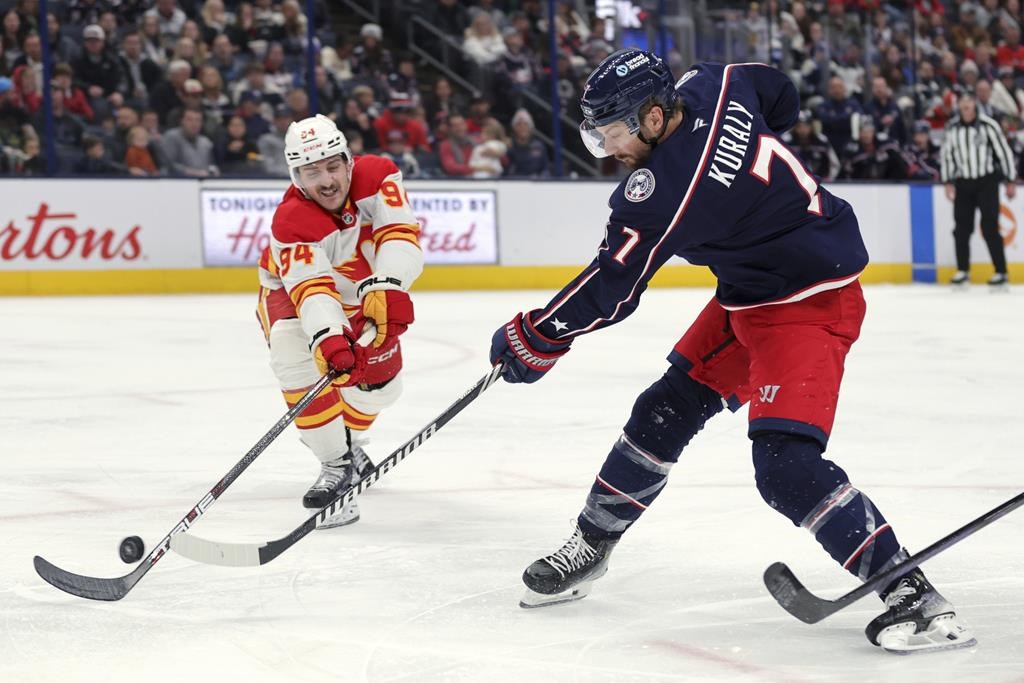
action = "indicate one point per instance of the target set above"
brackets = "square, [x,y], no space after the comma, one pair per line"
[326,332]
[524,347]
[539,339]
[376,283]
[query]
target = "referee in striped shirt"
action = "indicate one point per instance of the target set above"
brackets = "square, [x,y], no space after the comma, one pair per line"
[975,159]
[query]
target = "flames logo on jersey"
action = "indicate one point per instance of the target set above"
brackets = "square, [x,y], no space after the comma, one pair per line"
[640,185]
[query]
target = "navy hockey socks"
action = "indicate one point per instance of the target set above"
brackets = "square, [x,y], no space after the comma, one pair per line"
[816,494]
[664,419]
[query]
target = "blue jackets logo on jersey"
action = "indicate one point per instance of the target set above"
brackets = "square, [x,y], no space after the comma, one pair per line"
[640,185]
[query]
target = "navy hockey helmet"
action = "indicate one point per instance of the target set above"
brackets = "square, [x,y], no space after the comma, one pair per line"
[618,89]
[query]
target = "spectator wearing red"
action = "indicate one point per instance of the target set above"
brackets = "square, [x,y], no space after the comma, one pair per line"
[27,96]
[456,150]
[398,116]
[74,97]
[1010,52]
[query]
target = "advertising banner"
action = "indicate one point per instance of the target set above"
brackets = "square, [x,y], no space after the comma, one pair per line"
[99,225]
[456,226]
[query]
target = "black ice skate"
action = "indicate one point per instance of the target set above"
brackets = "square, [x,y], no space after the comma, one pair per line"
[961,280]
[335,476]
[567,574]
[918,619]
[999,283]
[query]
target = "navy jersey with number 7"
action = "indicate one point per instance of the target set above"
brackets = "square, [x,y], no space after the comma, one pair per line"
[722,191]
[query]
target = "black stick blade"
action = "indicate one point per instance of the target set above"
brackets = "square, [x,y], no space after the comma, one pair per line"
[794,598]
[84,586]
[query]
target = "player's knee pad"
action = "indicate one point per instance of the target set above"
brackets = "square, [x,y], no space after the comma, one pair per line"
[791,475]
[669,413]
[290,358]
[373,401]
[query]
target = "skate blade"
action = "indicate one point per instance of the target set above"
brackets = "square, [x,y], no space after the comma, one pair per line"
[944,632]
[999,289]
[532,599]
[336,521]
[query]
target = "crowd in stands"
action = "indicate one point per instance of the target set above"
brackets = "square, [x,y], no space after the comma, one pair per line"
[201,88]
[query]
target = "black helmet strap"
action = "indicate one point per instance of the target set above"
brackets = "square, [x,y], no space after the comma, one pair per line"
[653,142]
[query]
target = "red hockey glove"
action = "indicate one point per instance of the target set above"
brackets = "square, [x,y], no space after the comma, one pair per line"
[527,354]
[340,353]
[387,305]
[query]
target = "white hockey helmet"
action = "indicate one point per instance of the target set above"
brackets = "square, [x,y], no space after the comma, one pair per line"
[311,140]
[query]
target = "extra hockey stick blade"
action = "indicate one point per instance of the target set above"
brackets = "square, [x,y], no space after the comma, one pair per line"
[809,608]
[256,554]
[96,588]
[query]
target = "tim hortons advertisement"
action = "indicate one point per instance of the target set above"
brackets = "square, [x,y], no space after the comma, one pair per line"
[98,225]
[455,227]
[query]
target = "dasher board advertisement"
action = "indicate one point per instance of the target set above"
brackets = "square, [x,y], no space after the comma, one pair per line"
[99,225]
[456,227]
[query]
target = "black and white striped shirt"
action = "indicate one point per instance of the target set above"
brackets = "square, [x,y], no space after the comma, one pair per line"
[972,150]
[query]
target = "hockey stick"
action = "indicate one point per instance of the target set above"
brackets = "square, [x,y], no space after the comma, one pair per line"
[809,608]
[96,588]
[256,554]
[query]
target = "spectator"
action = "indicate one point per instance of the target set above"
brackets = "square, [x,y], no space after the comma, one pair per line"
[922,155]
[188,151]
[398,151]
[199,49]
[108,22]
[488,158]
[983,96]
[268,23]
[969,75]
[884,113]
[167,95]
[271,144]
[355,142]
[403,79]
[224,59]
[15,127]
[152,41]
[215,20]
[191,98]
[366,98]
[143,73]
[450,17]
[32,57]
[927,89]
[338,59]
[99,72]
[27,96]
[185,49]
[63,48]
[278,77]
[353,118]
[839,115]
[249,111]
[371,61]
[871,159]
[293,28]
[94,162]
[243,32]
[398,117]
[483,43]
[328,92]
[487,7]
[10,40]
[457,148]
[527,155]
[125,120]
[216,105]
[169,21]
[236,153]
[479,114]
[1006,95]
[812,147]
[74,97]
[1010,52]
[255,81]
[67,128]
[297,102]
[32,163]
[442,99]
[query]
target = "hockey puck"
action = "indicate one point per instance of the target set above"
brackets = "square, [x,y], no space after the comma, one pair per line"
[131,549]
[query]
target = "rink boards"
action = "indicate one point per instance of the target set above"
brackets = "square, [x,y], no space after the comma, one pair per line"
[71,236]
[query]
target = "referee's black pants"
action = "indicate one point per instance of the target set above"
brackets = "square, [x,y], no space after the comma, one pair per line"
[973,194]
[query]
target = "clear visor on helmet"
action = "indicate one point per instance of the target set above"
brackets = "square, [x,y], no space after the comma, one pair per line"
[604,141]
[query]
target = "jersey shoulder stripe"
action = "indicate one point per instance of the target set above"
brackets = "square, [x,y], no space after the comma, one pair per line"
[368,173]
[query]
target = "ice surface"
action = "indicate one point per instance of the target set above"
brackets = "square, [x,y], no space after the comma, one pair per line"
[118,414]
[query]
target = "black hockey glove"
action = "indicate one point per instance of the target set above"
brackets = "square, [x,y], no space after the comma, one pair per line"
[527,354]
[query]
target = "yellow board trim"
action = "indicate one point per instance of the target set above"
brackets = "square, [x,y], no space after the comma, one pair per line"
[218,280]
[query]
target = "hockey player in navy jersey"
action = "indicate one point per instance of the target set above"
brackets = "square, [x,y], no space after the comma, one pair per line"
[712,182]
